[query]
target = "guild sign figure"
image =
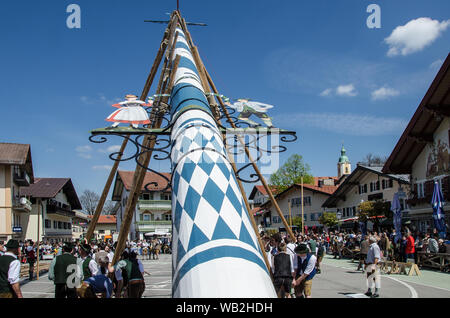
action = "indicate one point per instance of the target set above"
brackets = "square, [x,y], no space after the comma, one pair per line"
[131,111]
[246,108]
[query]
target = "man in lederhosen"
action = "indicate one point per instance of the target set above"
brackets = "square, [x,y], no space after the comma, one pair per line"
[89,266]
[10,271]
[61,268]
[306,269]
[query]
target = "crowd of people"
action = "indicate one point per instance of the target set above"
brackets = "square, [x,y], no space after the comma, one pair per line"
[295,261]
[82,270]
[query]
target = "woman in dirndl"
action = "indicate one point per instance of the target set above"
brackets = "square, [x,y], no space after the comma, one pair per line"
[131,111]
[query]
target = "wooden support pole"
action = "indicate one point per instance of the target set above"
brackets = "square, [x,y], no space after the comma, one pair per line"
[144,160]
[255,167]
[112,173]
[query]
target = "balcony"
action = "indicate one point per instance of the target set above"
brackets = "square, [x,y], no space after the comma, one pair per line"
[20,177]
[54,207]
[153,226]
[155,205]
[22,204]
[154,222]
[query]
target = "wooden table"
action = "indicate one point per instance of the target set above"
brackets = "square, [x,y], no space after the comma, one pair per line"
[434,260]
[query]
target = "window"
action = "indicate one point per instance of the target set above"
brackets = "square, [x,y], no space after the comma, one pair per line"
[313,217]
[48,224]
[60,225]
[276,219]
[307,201]
[69,225]
[146,217]
[168,197]
[363,189]
[55,224]
[65,225]
[168,217]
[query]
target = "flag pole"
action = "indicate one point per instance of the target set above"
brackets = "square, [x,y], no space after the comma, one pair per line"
[290,215]
[38,236]
[303,218]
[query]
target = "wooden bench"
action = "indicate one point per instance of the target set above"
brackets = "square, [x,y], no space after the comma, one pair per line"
[349,253]
[393,267]
[434,260]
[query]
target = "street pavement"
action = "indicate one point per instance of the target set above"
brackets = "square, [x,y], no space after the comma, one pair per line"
[339,279]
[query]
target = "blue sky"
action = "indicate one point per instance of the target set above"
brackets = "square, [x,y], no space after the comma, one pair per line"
[329,76]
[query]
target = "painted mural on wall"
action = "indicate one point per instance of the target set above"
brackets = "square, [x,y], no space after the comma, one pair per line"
[438,161]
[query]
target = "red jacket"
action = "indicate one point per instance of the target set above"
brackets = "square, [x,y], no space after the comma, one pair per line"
[410,249]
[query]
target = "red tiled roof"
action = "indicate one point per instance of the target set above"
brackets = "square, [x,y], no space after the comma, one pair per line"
[106,219]
[127,179]
[325,189]
[261,189]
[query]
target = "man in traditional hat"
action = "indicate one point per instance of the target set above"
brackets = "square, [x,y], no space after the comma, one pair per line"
[89,266]
[371,267]
[10,271]
[31,258]
[60,272]
[305,271]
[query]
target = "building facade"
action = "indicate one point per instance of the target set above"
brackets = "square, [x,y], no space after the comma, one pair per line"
[423,152]
[80,223]
[290,203]
[53,203]
[16,170]
[365,184]
[153,212]
[105,228]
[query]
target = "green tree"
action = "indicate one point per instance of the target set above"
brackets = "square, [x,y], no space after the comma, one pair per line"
[376,208]
[297,221]
[291,172]
[328,219]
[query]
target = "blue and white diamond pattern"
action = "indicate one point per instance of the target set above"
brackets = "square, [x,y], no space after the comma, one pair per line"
[210,220]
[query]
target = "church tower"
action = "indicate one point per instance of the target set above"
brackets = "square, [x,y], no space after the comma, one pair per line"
[344,166]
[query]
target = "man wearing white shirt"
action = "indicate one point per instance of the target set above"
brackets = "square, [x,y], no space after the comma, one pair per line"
[88,266]
[305,271]
[10,271]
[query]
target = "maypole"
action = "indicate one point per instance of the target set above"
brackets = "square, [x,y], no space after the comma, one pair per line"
[215,249]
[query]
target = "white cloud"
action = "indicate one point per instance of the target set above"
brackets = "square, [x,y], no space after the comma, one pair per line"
[348,124]
[83,149]
[436,64]
[346,90]
[326,92]
[384,93]
[102,167]
[114,148]
[84,152]
[414,36]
